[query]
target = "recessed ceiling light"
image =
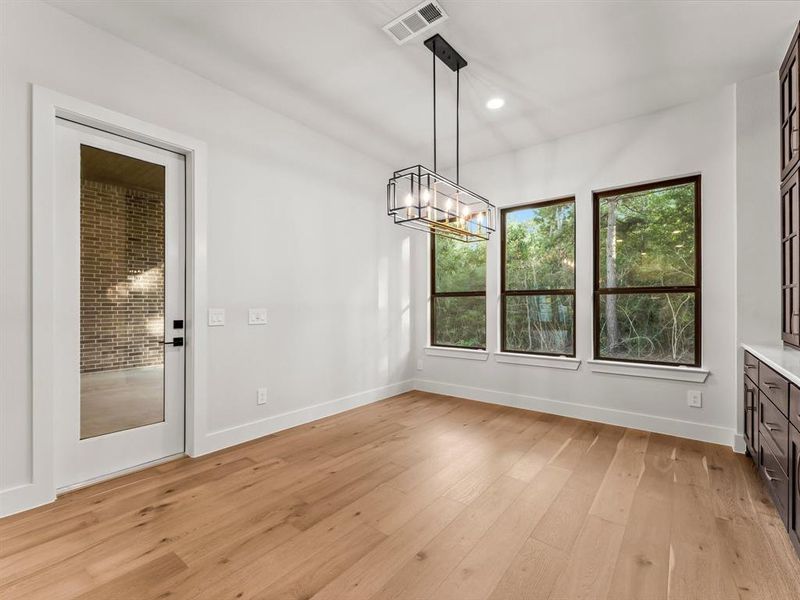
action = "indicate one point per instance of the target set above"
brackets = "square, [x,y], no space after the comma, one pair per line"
[495,103]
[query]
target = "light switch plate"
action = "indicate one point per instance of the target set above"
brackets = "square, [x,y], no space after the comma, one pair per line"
[257,316]
[216,317]
[261,397]
[694,399]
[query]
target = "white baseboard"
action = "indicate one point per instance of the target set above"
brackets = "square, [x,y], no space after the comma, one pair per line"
[611,416]
[24,497]
[739,445]
[224,438]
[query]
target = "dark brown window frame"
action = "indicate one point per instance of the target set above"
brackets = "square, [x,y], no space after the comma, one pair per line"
[435,295]
[505,293]
[695,289]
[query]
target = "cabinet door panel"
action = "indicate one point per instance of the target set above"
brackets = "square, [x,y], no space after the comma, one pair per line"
[794,512]
[790,257]
[750,418]
[790,152]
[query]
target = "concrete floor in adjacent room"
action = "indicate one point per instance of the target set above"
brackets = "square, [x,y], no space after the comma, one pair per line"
[122,399]
[418,497]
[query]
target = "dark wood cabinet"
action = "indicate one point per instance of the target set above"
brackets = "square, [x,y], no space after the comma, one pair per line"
[771,415]
[790,123]
[771,403]
[789,79]
[790,258]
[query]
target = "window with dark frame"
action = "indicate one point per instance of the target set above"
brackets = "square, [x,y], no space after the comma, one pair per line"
[537,278]
[458,293]
[647,273]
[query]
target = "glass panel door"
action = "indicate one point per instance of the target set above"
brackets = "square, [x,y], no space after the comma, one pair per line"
[118,287]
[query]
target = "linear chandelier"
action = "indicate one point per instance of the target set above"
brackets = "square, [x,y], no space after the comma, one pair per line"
[421,198]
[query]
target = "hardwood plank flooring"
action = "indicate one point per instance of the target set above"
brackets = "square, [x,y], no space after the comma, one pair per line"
[418,497]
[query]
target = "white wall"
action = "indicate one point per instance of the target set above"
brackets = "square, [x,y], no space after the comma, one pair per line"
[693,138]
[296,223]
[758,210]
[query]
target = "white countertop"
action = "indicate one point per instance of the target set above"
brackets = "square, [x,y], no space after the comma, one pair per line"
[784,360]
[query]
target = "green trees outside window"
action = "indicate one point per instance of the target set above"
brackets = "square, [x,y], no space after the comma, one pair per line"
[458,299]
[646,278]
[538,278]
[647,273]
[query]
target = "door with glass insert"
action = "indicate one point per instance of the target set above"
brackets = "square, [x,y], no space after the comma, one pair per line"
[119,296]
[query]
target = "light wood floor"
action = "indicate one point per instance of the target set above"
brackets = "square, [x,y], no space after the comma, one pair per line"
[417,497]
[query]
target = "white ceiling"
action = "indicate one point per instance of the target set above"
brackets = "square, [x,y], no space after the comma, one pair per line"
[562,67]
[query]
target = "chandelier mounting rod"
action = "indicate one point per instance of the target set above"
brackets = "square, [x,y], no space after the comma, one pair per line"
[448,55]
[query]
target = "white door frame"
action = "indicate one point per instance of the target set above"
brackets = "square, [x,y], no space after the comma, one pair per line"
[47,105]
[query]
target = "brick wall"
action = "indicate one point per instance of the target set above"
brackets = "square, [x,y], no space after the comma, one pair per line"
[122,277]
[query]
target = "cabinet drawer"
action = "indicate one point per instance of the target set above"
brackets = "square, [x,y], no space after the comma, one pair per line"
[776,480]
[794,405]
[751,366]
[775,426]
[775,387]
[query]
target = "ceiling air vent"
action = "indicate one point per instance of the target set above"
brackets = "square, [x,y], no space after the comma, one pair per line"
[415,21]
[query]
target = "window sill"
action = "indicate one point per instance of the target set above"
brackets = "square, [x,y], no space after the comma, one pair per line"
[534,360]
[690,374]
[463,353]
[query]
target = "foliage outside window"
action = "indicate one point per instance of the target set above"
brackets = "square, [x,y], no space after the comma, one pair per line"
[458,298]
[538,278]
[647,273]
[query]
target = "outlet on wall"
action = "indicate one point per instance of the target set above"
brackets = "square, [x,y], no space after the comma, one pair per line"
[419,365]
[262,396]
[694,398]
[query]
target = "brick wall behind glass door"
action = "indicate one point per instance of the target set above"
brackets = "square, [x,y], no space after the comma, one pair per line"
[122,277]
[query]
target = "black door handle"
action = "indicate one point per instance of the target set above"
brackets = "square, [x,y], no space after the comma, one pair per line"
[178,341]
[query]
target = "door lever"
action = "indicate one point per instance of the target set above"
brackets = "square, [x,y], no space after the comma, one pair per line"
[178,341]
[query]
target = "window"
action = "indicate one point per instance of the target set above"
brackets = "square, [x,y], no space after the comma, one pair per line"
[647,273]
[458,293]
[538,278]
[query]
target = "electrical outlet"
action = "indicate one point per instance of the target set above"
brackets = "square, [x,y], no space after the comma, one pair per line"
[419,365]
[694,399]
[257,316]
[262,396]
[216,317]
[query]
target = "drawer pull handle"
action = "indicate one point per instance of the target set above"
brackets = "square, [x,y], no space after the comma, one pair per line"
[771,426]
[769,476]
[772,386]
[750,408]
